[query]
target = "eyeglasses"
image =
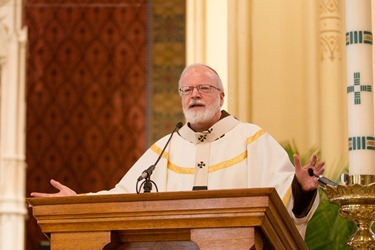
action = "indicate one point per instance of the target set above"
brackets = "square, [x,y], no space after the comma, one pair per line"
[203,89]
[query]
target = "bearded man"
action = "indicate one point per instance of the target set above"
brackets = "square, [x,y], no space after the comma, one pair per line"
[214,150]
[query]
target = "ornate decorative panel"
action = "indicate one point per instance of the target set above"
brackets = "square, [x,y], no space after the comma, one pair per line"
[86,99]
[167,62]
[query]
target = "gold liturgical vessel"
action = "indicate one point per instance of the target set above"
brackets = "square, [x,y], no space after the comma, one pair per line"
[356,200]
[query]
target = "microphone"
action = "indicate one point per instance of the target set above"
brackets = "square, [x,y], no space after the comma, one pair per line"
[323,181]
[147,173]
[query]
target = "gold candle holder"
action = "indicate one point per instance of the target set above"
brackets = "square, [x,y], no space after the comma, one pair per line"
[357,203]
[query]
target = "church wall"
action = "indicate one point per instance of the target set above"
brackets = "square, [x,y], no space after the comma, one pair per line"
[99,78]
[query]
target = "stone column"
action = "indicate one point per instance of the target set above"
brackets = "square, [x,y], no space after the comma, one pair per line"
[12,125]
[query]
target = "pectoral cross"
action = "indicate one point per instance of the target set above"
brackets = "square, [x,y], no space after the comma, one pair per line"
[201,164]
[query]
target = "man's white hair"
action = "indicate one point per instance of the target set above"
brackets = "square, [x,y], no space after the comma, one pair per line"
[210,73]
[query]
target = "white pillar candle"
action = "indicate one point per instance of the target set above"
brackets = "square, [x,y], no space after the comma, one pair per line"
[359,42]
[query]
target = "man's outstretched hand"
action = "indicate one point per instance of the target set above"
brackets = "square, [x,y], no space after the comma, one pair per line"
[63,191]
[307,182]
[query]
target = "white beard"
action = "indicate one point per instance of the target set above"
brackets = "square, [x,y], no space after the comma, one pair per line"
[198,116]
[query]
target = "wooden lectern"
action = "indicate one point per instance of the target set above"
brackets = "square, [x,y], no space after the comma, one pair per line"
[219,219]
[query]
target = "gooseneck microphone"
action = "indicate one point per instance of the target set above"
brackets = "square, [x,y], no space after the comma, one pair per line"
[323,181]
[146,174]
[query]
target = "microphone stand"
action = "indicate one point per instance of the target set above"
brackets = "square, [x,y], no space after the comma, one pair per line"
[147,183]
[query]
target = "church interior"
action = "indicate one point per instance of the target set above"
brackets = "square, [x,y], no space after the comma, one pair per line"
[87,86]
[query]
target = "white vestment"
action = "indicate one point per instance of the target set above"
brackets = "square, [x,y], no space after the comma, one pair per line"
[230,155]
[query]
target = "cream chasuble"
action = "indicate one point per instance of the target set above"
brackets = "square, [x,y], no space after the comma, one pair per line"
[229,155]
[203,140]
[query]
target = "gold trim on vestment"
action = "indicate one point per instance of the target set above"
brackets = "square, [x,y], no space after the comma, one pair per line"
[228,163]
[180,170]
[287,196]
[255,136]
[158,150]
[216,167]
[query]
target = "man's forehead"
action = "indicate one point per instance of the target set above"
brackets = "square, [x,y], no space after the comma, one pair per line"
[196,72]
[195,81]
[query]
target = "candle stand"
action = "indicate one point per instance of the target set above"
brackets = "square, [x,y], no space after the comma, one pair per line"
[356,201]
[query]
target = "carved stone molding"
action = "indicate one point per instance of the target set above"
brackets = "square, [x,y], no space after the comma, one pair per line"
[4,29]
[330,30]
[3,2]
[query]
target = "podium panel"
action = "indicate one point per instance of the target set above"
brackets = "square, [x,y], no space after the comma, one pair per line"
[214,219]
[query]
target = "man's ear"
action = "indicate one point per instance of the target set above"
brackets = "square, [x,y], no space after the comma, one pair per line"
[222,95]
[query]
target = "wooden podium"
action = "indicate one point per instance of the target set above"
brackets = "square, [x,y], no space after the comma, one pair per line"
[221,219]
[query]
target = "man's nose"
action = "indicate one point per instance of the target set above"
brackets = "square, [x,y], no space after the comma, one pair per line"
[195,93]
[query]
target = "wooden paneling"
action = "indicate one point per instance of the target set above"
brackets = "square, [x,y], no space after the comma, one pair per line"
[214,219]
